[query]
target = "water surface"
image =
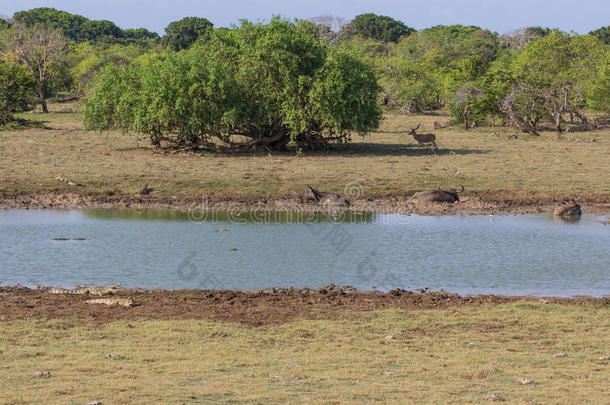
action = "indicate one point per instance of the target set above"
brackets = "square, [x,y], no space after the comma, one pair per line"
[520,255]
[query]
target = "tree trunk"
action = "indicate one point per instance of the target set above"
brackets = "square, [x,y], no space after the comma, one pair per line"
[43,102]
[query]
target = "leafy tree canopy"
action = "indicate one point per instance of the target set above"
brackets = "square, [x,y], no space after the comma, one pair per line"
[255,87]
[378,27]
[76,27]
[603,34]
[140,33]
[183,33]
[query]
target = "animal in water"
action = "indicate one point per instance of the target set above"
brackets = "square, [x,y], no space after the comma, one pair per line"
[438,196]
[423,138]
[324,197]
[568,209]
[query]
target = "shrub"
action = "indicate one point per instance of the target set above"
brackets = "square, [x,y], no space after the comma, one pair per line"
[16,90]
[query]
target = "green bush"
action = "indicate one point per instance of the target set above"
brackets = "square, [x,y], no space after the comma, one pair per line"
[16,90]
[255,87]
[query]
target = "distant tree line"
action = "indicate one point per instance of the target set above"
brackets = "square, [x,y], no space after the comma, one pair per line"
[531,78]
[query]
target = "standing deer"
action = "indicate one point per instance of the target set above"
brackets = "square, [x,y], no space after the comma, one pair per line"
[423,138]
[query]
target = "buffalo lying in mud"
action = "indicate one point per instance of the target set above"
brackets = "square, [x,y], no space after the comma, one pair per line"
[438,196]
[325,198]
[568,209]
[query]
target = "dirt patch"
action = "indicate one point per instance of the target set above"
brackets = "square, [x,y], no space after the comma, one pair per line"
[256,308]
[496,202]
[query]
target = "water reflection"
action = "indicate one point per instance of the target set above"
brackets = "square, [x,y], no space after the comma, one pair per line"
[237,216]
[568,220]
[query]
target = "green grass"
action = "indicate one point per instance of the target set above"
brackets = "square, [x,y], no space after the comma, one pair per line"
[435,356]
[385,163]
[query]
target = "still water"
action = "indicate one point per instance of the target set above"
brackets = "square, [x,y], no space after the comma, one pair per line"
[520,255]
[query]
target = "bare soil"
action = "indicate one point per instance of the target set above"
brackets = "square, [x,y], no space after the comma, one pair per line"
[257,308]
[490,202]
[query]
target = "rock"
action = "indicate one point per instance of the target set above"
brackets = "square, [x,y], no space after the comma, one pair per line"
[471,344]
[42,374]
[326,289]
[567,210]
[112,354]
[525,381]
[560,355]
[389,337]
[494,397]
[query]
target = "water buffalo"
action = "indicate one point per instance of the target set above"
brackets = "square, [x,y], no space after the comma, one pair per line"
[568,209]
[324,198]
[438,196]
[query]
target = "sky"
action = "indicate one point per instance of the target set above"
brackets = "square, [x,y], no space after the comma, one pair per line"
[501,16]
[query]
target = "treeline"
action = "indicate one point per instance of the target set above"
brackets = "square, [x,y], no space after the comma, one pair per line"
[530,78]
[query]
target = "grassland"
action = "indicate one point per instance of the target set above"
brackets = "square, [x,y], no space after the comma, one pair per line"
[458,355]
[386,163]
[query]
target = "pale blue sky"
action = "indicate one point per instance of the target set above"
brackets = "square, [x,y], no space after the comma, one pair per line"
[581,16]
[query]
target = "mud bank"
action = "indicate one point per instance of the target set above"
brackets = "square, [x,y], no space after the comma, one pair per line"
[491,202]
[262,307]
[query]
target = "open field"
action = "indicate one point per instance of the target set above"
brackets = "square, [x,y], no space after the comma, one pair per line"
[494,163]
[461,353]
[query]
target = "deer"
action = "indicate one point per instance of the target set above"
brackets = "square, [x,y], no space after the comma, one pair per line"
[423,138]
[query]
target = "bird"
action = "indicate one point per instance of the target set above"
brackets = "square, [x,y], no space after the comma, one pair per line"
[144,190]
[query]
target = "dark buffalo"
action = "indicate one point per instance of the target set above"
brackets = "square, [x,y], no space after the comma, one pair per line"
[438,196]
[569,209]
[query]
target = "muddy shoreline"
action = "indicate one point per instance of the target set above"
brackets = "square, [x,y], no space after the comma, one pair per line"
[490,202]
[256,308]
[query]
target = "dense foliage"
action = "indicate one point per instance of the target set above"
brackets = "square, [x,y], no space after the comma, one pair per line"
[532,78]
[377,27]
[603,34]
[79,28]
[16,90]
[257,86]
[183,33]
[4,24]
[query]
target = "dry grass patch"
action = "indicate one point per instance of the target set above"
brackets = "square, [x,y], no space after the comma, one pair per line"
[433,356]
[388,162]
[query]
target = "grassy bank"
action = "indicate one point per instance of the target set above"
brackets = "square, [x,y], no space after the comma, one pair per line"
[432,356]
[386,163]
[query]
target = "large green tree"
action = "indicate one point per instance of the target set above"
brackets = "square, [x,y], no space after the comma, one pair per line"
[183,33]
[251,88]
[378,27]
